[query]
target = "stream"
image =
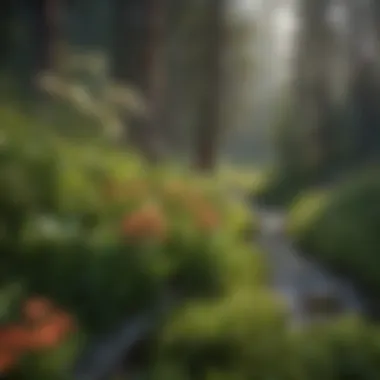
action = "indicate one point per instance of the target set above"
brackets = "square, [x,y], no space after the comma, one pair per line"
[295,278]
[311,292]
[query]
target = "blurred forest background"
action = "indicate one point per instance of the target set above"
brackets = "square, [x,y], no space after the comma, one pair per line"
[166,167]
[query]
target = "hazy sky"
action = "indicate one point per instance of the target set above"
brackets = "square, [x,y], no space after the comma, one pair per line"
[283,21]
[271,49]
[270,46]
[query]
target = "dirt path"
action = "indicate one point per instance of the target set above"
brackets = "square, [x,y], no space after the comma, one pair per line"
[311,292]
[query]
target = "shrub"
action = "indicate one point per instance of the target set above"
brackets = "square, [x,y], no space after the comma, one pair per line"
[305,210]
[96,236]
[37,338]
[277,187]
[340,228]
[98,233]
[241,335]
[242,339]
[338,350]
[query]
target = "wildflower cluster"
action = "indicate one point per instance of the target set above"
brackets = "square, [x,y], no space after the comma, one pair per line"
[155,209]
[43,326]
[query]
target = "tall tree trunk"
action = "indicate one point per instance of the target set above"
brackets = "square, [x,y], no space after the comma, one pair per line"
[375,11]
[25,50]
[139,49]
[312,87]
[30,51]
[6,18]
[51,34]
[156,86]
[131,36]
[49,38]
[365,89]
[207,133]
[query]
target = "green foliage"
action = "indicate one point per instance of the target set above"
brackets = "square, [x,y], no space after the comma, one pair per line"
[83,83]
[347,348]
[340,227]
[103,236]
[243,340]
[218,335]
[51,364]
[304,211]
[279,187]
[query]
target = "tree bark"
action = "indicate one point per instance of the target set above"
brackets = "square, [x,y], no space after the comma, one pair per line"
[312,89]
[207,132]
[6,18]
[156,85]
[365,89]
[139,60]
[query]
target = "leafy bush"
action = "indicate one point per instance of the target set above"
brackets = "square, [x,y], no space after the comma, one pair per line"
[304,212]
[278,187]
[341,349]
[91,235]
[241,339]
[241,335]
[340,227]
[151,232]
[103,236]
[43,342]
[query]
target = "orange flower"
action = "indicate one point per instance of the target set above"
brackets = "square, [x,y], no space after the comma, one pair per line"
[52,332]
[136,187]
[15,338]
[145,223]
[8,360]
[113,191]
[175,189]
[49,328]
[194,200]
[47,336]
[207,219]
[119,191]
[37,309]
[63,321]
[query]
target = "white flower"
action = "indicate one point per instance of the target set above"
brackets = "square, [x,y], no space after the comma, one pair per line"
[81,98]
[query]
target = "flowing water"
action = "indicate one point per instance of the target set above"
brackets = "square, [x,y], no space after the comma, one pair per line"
[311,292]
